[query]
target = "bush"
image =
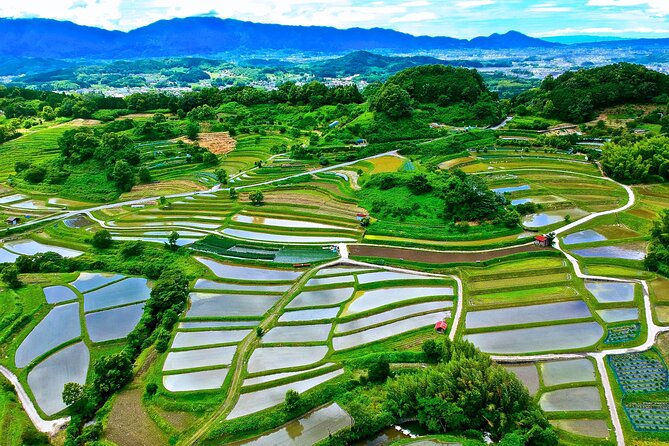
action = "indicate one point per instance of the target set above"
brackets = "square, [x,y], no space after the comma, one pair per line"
[379,370]
[102,239]
[151,389]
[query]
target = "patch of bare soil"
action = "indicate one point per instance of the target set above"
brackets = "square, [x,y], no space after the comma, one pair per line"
[218,143]
[129,424]
[79,122]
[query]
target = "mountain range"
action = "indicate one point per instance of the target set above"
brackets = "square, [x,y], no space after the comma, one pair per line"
[209,36]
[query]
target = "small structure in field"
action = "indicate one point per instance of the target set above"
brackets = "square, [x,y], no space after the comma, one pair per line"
[542,240]
[441,327]
[334,124]
[13,221]
[360,215]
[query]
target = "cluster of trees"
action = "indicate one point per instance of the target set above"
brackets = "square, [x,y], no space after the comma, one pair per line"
[464,197]
[575,96]
[657,258]
[111,372]
[640,161]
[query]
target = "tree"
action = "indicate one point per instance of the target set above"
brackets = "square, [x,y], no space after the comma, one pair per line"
[222,175]
[259,332]
[550,238]
[393,101]
[233,193]
[151,389]
[293,401]
[378,370]
[74,395]
[172,240]
[192,130]
[144,175]
[132,249]
[432,351]
[110,373]
[10,275]
[102,239]
[257,198]
[123,176]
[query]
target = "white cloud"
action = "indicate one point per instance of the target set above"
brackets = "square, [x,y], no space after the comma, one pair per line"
[415,17]
[600,31]
[659,8]
[545,8]
[467,4]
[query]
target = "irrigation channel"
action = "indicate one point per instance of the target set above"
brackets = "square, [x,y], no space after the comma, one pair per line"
[247,346]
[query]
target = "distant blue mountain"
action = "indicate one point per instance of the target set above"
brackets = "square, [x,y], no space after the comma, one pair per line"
[571,40]
[209,36]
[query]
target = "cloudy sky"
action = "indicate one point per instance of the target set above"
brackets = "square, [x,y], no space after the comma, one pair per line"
[458,18]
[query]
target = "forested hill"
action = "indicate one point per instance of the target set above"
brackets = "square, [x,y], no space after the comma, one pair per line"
[576,96]
[208,35]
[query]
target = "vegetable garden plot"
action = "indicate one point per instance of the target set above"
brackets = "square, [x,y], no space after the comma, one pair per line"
[60,325]
[205,357]
[607,292]
[585,428]
[210,285]
[309,315]
[297,334]
[648,416]
[370,300]
[390,315]
[321,298]
[58,294]
[202,338]
[111,324]
[571,400]
[639,372]
[47,380]
[555,373]
[277,376]
[128,291]
[388,330]
[273,358]
[548,338]
[576,309]
[89,281]
[193,381]
[229,305]
[234,272]
[252,402]
[622,333]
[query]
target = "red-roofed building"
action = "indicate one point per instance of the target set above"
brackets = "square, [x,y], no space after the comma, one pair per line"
[541,240]
[441,327]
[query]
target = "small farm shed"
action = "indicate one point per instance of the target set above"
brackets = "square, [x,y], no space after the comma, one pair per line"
[440,327]
[541,240]
[12,221]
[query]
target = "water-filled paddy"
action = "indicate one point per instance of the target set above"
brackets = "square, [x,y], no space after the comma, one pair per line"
[587,236]
[309,315]
[388,330]
[216,324]
[571,400]
[385,276]
[227,305]
[127,291]
[321,298]
[7,257]
[264,399]
[586,428]
[188,382]
[31,247]
[272,358]
[341,270]
[305,431]
[283,223]
[508,190]
[297,333]
[277,376]
[11,198]
[619,314]
[200,338]
[538,339]
[280,238]
[576,309]
[89,281]
[390,315]
[385,296]
[551,217]
[113,324]
[555,373]
[60,325]
[204,284]
[226,271]
[205,357]
[520,201]
[57,294]
[606,292]
[321,281]
[527,374]
[626,252]
[47,380]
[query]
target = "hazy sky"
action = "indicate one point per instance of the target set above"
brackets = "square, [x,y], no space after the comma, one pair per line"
[458,18]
